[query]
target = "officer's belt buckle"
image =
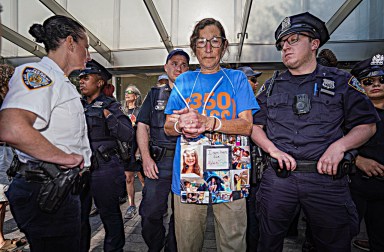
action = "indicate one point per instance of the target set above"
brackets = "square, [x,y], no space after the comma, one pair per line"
[306,166]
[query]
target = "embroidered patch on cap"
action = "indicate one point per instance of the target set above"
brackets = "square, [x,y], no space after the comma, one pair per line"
[33,78]
[353,82]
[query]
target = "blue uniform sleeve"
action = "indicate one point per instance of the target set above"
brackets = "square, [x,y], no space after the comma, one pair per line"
[245,98]
[145,111]
[358,109]
[260,118]
[119,124]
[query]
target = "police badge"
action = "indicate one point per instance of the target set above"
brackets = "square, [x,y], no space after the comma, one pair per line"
[285,24]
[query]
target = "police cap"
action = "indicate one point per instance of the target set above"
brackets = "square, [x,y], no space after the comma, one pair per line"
[249,72]
[177,52]
[162,77]
[369,68]
[303,22]
[94,67]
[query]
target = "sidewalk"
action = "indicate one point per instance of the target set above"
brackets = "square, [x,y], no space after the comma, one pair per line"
[134,240]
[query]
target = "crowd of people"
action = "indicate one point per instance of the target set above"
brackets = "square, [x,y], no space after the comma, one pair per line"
[320,129]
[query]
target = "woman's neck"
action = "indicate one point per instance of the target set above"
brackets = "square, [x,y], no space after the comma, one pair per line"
[131,105]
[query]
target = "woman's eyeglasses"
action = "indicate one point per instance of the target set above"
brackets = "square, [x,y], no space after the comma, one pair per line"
[129,92]
[215,42]
[370,80]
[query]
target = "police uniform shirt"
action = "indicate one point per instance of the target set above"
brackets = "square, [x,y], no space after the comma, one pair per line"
[338,103]
[148,115]
[43,89]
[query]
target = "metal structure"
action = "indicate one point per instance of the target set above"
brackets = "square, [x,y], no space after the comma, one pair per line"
[134,37]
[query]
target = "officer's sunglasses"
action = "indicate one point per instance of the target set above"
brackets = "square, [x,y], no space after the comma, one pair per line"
[129,92]
[370,80]
[293,39]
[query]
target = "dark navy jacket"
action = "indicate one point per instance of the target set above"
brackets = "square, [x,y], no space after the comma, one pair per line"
[105,131]
[152,114]
[338,105]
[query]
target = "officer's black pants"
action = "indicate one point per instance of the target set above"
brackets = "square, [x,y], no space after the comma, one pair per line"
[252,221]
[59,231]
[153,207]
[106,188]
[368,195]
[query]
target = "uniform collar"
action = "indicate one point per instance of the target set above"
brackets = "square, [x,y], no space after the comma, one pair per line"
[49,63]
[320,72]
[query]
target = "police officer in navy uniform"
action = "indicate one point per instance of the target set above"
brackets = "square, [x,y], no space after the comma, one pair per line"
[367,185]
[158,156]
[312,115]
[107,124]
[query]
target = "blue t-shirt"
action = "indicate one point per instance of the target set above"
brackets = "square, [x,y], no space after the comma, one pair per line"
[229,98]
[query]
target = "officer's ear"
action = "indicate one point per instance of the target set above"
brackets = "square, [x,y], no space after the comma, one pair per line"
[70,41]
[315,44]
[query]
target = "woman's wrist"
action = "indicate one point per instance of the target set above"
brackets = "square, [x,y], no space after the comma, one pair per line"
[176,128]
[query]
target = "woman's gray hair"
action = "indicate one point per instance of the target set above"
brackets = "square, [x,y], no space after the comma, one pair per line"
[137,92]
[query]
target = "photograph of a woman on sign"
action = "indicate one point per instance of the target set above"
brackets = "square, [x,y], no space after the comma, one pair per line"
[190,163]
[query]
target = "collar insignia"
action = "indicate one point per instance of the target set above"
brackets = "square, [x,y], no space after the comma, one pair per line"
[33,78]
[377,60]
[328,84]
[97,104]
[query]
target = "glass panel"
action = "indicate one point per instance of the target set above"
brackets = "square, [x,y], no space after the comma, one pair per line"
[364,23]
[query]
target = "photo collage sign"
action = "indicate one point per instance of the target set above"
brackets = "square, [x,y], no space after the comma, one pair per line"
[215,168]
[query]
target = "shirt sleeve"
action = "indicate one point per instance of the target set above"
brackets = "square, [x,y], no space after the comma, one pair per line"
[145,111]
[358,108]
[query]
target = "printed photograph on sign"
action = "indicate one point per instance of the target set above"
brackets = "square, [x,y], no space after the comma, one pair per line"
[191,161]
[241,157]
[240,178]
[217,157]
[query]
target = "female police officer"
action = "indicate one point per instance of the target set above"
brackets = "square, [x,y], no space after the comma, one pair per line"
[106,125]
[43,119]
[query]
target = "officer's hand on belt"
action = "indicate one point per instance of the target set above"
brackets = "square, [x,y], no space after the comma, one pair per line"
[284,158]
[369,166]
[73,161]
[330,160]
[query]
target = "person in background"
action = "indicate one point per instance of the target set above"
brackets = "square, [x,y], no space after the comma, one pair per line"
[43,119]
[107,124]
[367,185]
[209,113]
[132,108]
[158,170]
[252,221]
[162,80]
[310,116]
[252,77]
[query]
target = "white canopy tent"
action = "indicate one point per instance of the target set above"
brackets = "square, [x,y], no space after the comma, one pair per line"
[134,36]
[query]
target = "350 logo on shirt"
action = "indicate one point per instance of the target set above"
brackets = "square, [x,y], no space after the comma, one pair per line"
[221,105]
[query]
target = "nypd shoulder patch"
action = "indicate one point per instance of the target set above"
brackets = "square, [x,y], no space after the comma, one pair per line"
[355,84]
[33,78]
